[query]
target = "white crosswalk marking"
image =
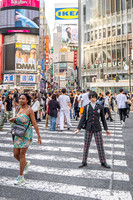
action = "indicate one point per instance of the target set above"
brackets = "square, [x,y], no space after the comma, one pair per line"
[59,156]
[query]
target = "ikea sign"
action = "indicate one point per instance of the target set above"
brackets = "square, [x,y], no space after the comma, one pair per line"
[66,13]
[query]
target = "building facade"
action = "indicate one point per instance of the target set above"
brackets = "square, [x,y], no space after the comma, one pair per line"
[107,45]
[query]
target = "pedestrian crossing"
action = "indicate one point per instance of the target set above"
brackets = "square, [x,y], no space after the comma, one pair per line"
[54,172]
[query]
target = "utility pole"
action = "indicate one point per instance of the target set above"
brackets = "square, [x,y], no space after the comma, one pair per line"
[80,32]
[129,67]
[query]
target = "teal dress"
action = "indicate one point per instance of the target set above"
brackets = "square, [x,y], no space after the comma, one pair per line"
[27,140]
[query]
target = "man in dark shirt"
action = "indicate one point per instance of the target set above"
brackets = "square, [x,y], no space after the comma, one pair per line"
[53,109]
[90,118]
[8,110]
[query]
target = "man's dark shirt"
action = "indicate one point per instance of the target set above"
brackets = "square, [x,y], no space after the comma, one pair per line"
[53,106]
[9,104]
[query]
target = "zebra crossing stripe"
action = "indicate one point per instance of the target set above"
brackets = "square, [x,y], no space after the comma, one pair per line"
[75,190]
[120,146]
[65,149]
[79,173]
[64,159]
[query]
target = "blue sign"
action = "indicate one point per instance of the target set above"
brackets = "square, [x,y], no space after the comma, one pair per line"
[42,64]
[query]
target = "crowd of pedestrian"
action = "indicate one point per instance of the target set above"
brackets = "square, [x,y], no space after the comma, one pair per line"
[58,108]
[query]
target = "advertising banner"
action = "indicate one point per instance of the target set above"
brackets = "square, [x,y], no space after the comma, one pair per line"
[70,34]
[31,3]
[1,56]
[25,57]
[66,13]
[75,59]
[47,49]
[19,18]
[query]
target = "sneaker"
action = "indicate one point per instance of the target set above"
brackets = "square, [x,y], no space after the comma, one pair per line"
[19,180]
[26,167]
[123,124]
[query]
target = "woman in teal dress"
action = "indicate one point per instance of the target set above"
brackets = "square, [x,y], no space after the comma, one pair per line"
[24,115]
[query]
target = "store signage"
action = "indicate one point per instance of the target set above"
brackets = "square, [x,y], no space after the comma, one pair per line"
[18,31]
[8,78]
[47,50]
[27,78]
[66,13]
[31,3]
[75,59]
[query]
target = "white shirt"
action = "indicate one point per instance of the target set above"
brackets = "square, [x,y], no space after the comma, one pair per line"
[106,102]
[64,100]
[2,105]
[85,98]
[121,100]
[93,105]
[36,106]
[79,100]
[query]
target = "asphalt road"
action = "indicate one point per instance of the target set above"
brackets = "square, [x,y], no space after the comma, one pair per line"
[54,172]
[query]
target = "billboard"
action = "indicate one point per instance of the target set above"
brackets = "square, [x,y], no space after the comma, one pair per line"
[7,3]
[66,13]
[25,57]
[19,18]
[8,78]
[70,34]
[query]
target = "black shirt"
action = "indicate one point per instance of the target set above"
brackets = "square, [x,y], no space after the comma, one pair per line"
[53,105]
[9,104]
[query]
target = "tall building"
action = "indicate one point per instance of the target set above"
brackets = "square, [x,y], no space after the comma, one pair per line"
[19,26]
[107,44]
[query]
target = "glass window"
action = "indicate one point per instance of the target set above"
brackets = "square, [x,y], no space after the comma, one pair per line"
[96,35]
[104,33]
[118,55]
[91,35]
[114,55]
[100,33]
[119,30]
[113,31]
[85,37]
[84,13]
[129,28]
[88,39]
[92,60]
[103,8]
[123,5]
[108,7]
[118,6]
[99,8]
[124,52]
[104,55]
[109,31]
[124,29]
[109,56]
[112,6]
[128,4]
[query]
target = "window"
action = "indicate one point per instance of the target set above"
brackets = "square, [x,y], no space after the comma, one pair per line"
[118,6]
[109,32]
[114,55]
[84,13]
[108,7]
[128,4]
[103,8]
[99,8]
[119,30]
[113,31]
[124,29]
[129,28]
[88,36]
[91,35]
[100,33]
[118,54]
[109,56]
[123,5]
[96,35]
[112,6]
[104,33]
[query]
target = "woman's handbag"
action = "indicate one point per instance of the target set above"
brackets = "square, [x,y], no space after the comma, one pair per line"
[81,110]
[19,130]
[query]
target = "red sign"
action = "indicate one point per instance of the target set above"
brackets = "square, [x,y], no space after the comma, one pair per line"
[31,3]
[47,50]
[75,59]
[1,56]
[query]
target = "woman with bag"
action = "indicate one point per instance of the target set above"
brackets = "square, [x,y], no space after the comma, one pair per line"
[23,117]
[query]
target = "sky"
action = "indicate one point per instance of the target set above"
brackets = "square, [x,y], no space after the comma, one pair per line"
[50,10]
